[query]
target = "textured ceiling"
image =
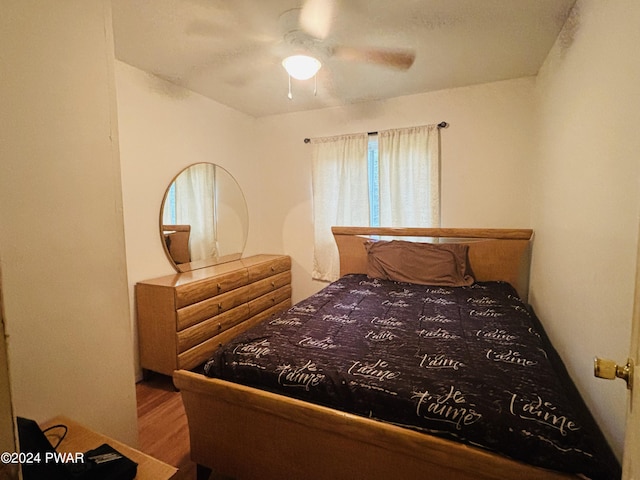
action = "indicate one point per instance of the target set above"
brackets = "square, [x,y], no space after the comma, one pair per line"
[231,50]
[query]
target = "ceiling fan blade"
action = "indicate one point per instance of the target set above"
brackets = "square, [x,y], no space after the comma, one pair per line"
[400,58]
[316,17]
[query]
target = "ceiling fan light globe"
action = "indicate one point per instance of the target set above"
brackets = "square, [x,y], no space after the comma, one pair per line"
[301,67]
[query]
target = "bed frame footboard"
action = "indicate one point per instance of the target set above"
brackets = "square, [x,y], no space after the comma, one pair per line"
[247,433]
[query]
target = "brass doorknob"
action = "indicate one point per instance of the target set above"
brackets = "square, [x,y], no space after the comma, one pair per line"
[608,369]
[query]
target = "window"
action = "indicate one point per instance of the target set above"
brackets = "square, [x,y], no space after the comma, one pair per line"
[169,212]
[390,179]
[190,200]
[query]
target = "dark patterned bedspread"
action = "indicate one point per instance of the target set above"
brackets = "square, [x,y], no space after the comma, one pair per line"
[466,363]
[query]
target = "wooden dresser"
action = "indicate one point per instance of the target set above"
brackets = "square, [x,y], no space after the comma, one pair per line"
[183,318]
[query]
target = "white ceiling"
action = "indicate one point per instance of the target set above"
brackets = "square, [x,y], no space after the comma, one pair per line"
[231,50]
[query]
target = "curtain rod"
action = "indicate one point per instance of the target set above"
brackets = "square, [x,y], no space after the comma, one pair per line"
[440,125]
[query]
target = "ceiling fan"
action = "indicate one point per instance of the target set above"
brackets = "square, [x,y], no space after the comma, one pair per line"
[307,29]
[300,33]
[306,33]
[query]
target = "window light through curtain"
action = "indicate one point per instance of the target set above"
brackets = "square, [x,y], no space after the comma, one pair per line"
[409,177]
[340,195]
[195,205]
[389,180]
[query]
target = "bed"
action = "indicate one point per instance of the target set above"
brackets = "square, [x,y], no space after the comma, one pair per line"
[257,431]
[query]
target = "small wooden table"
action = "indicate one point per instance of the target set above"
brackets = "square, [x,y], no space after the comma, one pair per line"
[80,439]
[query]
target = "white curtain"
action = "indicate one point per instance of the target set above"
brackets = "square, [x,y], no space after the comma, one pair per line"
[409,166]
[340,195]
[195,206]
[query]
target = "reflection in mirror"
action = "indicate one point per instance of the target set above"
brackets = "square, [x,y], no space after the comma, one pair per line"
[203,220]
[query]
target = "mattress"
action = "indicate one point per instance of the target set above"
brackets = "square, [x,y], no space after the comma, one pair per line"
[470,364]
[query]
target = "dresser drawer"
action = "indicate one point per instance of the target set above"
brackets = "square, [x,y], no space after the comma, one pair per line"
[267,269]
[269,300]
[269,284]
[211,327]
[196,312]
[207,288]
[272,311]
[202,352]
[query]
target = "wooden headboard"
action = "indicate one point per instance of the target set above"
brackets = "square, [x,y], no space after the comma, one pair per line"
[494,254]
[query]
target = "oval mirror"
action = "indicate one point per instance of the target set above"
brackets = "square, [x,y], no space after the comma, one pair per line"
[203,218]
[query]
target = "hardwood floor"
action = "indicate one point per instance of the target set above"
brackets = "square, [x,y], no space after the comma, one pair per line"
[162,425]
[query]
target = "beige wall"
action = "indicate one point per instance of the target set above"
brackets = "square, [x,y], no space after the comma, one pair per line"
[62,237]
[486,161]
[163,129]
[587,197]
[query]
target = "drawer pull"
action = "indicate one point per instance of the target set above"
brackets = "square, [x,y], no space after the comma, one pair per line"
[219,307]
[219,326]
[273,269]
[219,287]
[273,284]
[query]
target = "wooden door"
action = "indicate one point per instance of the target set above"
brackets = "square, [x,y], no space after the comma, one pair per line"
[631,460]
